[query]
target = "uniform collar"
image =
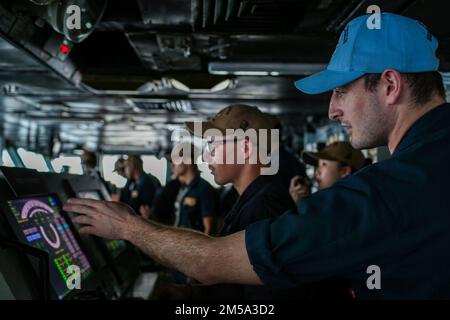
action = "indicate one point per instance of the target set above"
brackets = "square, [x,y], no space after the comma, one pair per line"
[194,181]
[141,178]
[248,193]
[428,125]
[254,187]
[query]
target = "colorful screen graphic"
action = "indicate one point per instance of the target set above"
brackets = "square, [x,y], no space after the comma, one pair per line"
[40,223]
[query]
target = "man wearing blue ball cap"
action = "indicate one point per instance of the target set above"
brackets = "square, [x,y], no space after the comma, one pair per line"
[386,227]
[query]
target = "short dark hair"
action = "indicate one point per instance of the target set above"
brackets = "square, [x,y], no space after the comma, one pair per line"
[136,161]
[89,158]
[343,164]
[423,84]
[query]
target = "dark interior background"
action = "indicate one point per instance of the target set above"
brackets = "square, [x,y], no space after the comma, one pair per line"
[148,66]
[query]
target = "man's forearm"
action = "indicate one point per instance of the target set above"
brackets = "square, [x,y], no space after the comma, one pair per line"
[206,259]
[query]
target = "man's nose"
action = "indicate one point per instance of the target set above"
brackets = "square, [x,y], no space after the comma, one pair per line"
[334,111]
[318,172]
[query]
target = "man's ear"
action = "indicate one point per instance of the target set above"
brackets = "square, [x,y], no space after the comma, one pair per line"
[392,84]
[345,171]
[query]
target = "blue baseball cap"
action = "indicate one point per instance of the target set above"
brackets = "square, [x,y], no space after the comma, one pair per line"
[399,43]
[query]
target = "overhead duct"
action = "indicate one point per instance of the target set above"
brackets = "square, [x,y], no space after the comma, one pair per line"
[248,15]
[164,52]
[42,2]
[167,12]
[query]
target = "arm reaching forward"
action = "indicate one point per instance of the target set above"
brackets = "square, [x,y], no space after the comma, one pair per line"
[207,259]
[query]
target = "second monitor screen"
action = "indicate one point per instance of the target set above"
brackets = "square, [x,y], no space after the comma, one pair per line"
[94,195]
[114,246]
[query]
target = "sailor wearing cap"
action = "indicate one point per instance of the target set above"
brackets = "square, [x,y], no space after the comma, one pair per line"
[336,161]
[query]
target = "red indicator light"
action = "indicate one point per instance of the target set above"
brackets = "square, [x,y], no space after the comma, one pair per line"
[64,49]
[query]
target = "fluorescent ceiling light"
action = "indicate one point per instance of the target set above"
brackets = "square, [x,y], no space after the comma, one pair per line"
[251,73]
[264,69]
